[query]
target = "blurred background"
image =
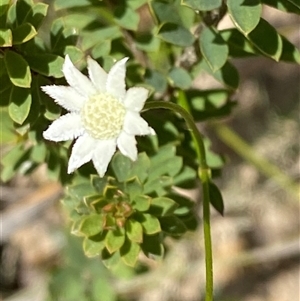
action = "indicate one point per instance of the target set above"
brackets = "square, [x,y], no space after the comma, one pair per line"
[256,244]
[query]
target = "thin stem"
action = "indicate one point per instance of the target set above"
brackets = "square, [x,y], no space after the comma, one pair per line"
[204,175]
[264,166]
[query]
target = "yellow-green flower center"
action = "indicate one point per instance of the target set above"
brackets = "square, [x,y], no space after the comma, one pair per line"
[103,116]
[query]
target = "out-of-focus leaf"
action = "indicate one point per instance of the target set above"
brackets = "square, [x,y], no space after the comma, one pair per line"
[19,104]
[23,33]
[266,39]
[46,64]
[130,252]
[4,5]
[213,48]
[216,198]
[150,223]
[290,53]
[173,225]
[157,80]
[176,34]
[283,5]
[126,17]
[121,166]
[245,14]
[162,206]
[7,127]
[91,225]
[203,5]
[134,230]
[5,38]
[227,75]
[114,240]
[18,69]
[180,78]
[166,11]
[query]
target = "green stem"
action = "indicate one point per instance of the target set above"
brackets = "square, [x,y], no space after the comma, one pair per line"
[204,175]
[263,165]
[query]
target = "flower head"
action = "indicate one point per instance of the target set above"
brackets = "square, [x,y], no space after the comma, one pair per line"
[102,115]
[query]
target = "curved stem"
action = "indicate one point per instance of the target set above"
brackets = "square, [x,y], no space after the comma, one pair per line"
[204,175]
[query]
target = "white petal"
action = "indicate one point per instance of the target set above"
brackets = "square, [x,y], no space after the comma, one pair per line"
[135,98]
[102,155]
[66,97]
[97,75]
[82,152]
[134,124]
[78,80]
[64,128]
[127,145]
[115,84]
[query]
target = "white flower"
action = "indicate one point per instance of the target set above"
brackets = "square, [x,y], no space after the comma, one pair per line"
[103,115]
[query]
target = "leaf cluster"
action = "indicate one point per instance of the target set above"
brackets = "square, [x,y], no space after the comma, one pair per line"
[132,212]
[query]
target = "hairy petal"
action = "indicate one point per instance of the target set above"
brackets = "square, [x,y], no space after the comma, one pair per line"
[66,97]
[82,152]
[135,98]
[115,84]
[102,155]
[66,127]
[134,124]
[78,80]
[97,75]
[127,145]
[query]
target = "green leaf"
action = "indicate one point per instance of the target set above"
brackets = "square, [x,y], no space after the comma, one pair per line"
[283,5]
[92,248]
[176,34]
[46,64]
[295,2]
[172,225]
[130,252]
[164,162]
[238,44]
[157,80]
[91,225]
[126,17]
[216,198]
[19,104]
[4,5]
[5,38]
[180,78]
[162,206]
[267,40]
[134,230]
[114,239]
[121,166]
[290,53]
[203,5]
[141,203]
[166,12]
[227,75]
[150,223]
[140,167]
[38,153]
[213,48]
[23,33]
[147,42]
[7,127]
[18,69]
[36,14]
[110,260]
[102,48]
[133,188]
[245,14]
[152,246]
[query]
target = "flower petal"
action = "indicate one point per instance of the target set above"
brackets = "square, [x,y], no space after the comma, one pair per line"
[64,128]
[78,80]
[135,98]
[115,84]
[127,145]
[82,152]
[66,97]
[97,75]
[102,155]
[134,124]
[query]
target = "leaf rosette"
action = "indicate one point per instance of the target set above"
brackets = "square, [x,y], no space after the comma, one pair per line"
[133,211]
